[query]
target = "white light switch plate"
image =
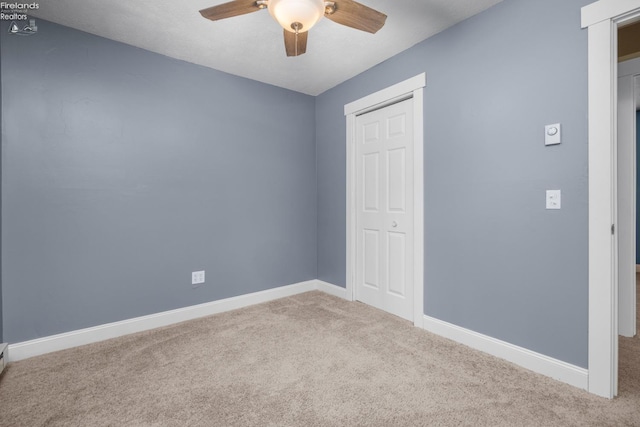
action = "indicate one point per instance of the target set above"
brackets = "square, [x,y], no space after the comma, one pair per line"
[553,199]
[552,134]
[197,277]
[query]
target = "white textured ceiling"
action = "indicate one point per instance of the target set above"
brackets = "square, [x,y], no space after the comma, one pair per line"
[252,45]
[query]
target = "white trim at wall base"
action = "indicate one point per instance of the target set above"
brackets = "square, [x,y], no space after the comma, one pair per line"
[107,331]
[331,289]
[536,362]
[528,359]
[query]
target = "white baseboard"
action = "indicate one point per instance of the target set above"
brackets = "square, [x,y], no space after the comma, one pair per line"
[94,334]
[545,365]
[536,362]
[331,289]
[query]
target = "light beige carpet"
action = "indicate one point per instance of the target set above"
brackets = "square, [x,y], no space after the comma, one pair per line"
[307,360]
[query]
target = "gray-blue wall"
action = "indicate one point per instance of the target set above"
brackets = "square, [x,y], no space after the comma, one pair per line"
[124,170]
[496,261]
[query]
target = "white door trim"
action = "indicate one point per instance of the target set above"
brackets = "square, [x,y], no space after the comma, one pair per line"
[602,19]
[626,205]
[606,10]
[409,89]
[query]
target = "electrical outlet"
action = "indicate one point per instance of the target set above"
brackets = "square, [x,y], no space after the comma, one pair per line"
[197,277]
[553,199]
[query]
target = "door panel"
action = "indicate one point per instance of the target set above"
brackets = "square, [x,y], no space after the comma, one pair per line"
[371,132]
[396,126]
[371,257]
[397,263]
[371,182]
[396,180]
[384,204]
[626,209]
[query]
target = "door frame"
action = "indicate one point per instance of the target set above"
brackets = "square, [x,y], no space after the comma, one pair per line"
[602,19]
[411,88]
[628,72]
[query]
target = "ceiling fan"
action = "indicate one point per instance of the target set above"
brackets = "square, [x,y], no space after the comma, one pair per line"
[298,16]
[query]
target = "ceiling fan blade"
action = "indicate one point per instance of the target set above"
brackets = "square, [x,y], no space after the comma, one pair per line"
[356,15]
[295,44]
[230,9]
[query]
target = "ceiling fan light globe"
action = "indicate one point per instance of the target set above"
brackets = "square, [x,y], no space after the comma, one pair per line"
[288,12]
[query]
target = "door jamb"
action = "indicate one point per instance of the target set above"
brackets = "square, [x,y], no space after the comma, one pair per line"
[627,74]
[411,88]
[602,19]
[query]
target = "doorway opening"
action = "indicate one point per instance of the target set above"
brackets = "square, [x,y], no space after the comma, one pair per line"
[603,18]
[628,104]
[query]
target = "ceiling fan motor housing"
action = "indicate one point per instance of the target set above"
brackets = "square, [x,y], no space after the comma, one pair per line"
[297,17]
[300,14]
